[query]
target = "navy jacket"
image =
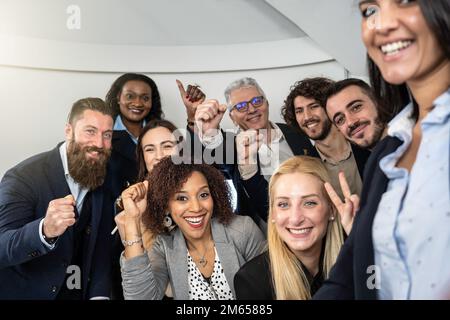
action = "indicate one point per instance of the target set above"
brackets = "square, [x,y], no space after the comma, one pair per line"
[122,166]
[28,269]
[352,276]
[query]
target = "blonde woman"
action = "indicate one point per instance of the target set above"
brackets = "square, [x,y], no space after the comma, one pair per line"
[304,235]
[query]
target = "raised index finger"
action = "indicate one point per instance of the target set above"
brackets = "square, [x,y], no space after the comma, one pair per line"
[333,195]
[344,185]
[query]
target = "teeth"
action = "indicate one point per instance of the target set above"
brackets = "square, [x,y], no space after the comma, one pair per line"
[394,47]
[300,231]
[195,220]
[312,124]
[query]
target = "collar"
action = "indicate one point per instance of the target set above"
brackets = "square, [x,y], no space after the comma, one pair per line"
[119,126]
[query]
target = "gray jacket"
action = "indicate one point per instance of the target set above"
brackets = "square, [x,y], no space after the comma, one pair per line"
[146,277]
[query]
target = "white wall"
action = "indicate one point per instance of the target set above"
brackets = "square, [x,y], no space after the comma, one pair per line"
[34,103]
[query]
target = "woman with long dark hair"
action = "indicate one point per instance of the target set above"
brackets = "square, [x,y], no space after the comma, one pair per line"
[400,240]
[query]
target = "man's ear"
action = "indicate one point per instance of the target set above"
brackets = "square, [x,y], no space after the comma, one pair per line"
[232,117]
[68,131]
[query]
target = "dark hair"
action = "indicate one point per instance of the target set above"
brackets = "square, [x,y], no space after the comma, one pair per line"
[338,86]
[156,123]
[116,89]
[311,88]
[437,17]
[94,104]
[167,178]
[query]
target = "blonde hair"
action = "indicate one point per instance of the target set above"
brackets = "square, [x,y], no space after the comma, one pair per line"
[289,280]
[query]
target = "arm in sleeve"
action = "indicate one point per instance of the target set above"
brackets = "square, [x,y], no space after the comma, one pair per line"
[145,277]
[19,223]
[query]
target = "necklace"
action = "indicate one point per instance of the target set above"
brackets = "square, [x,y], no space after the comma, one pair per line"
[203,261]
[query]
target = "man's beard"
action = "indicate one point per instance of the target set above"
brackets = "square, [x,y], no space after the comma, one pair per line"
[326,127]
[89,173]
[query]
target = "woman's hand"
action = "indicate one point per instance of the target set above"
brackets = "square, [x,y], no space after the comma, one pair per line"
[347,209]
[134,199]
[192,97]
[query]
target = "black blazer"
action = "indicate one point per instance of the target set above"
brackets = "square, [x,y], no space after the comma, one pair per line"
[28,269]
[257,187]
[253,281]
[122,166]
[252,201]
[350,275]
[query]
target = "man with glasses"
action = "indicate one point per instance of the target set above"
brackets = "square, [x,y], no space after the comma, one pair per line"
[259,146]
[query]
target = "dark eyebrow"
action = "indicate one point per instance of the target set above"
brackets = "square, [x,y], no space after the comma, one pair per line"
[363,2]
[337,115]
[309,104]
[351,103]
[202,187]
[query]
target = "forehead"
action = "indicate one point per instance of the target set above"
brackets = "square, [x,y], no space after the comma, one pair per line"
[136,86]
[297,185]
[301,101]
[156,135]
[346,95]
[243,94]
[194,181]
[95,119]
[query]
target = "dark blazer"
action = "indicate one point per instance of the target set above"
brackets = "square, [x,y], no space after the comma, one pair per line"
[252,201]
[257,187]
[28,269]
[253,281]
[122,166]
[350,275]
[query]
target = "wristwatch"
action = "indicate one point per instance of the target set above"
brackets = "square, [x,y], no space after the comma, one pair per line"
[50,241]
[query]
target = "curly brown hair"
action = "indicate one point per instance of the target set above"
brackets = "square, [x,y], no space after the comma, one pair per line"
[167,178]
[312,88]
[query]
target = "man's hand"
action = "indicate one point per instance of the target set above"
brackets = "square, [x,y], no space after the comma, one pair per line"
[191,97]
[247,145]
[208,116]
[60,215]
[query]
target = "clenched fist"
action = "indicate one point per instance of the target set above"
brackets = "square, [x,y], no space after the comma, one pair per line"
[60,215]
[247,145]
[208,116]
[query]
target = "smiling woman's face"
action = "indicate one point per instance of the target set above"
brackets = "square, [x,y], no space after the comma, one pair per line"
[192,206]
[399,40]
[300,211]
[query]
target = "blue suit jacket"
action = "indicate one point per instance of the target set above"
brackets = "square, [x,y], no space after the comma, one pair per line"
[28,269]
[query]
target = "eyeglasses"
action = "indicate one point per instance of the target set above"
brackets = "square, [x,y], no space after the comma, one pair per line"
[243,106]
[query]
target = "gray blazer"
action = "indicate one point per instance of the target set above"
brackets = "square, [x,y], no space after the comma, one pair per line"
[146,277]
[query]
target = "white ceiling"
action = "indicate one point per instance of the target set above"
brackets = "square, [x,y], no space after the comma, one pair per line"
[149,22]
[332,25]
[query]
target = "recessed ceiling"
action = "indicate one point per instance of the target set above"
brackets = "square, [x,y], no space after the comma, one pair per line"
[149,22]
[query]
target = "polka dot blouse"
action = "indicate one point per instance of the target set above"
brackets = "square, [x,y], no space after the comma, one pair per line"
[214,288]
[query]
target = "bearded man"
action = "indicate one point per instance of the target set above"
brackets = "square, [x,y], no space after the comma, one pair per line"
[55,218]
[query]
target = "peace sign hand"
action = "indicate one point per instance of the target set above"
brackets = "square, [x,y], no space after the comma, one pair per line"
[347,209]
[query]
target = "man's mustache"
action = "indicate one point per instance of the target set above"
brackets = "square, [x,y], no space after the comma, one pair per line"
[356,126]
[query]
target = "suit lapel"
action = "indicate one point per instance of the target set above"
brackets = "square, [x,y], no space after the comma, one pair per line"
[55,174]
[298,142]
[374,187]
[226,251]
[177,262]
[122,144]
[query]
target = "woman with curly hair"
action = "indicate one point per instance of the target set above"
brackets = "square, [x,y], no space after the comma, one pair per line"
[200,243]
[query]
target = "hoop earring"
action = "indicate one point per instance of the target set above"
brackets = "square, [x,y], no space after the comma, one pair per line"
[167,220]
